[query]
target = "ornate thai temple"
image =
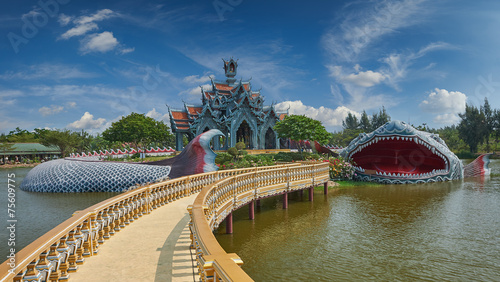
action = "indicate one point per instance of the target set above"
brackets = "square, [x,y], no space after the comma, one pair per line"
[232,107]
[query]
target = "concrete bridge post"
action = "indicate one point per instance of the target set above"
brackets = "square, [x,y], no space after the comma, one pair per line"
[229,223]
[285,200]
[251,210]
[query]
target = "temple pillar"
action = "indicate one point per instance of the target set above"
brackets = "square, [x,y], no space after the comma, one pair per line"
[178,141]
[285,200]
[251,210]
[311,193]
[229,223]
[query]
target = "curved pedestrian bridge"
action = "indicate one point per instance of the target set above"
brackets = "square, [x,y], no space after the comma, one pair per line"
[63,250]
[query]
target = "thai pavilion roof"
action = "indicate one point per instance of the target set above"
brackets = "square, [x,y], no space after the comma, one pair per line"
[221,102]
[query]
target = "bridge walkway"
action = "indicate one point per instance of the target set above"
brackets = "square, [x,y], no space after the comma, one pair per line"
[154,248]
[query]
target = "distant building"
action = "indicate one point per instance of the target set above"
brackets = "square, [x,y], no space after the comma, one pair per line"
[29,151]
[232,107]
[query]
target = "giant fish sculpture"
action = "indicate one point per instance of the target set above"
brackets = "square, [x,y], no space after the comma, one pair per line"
[69,175]
[397,153]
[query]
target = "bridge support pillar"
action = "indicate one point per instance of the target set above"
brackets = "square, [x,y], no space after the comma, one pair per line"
[311,193]
[285,200]
[229,223]
[251,210]
[325,189]
[301,193]
[258,203]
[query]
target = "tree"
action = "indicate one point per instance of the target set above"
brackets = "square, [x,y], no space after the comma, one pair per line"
[139,130]
[350,122]
[472,127]
[300,127]
[65,140]
[364,122]
[489,121]
[380,119]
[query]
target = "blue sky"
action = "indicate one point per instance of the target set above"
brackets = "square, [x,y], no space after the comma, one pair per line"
[84,64]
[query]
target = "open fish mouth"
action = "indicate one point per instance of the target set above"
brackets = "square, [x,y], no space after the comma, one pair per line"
[398,153]
[396,156]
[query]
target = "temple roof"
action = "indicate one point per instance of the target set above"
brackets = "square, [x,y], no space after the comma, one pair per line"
[222,101]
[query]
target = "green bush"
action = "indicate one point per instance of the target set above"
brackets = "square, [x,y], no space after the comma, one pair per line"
[240,146]
[233,151]
[136,156]
[288,157]
[223,158]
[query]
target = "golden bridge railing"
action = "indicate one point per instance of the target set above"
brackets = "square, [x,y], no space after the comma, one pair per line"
[56,254]
[216,201]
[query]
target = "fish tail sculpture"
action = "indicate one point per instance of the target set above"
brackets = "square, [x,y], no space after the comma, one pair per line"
[397,153]
[478,167]
[72,175]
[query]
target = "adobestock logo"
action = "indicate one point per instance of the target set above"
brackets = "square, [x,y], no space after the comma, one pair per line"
[34,20]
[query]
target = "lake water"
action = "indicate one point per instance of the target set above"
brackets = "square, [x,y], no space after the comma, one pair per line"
[448,231]
[441,231]
[37,213]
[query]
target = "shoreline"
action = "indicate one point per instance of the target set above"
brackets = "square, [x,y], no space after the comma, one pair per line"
[6,166]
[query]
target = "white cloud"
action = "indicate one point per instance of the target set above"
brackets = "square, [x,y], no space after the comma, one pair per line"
[71,104]
[47,71]
[93,42]
[52,110]
[64,19]
[329,117]
[158,116]
[196,79]
[357,86]
[365,79]
[84,24]
[358,30]
[398,63]
[195,92]
[446,104]
[447,119]
[153,114]
[126,50]
[361,78]
[87,122]
[79,30]
[99,16]
[98,42]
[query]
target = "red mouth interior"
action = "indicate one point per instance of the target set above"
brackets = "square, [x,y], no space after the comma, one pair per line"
[398,156]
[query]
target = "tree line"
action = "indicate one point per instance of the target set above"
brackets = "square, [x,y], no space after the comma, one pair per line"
[136,130]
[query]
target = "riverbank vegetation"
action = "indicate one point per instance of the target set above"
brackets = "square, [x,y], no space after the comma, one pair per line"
[133,131]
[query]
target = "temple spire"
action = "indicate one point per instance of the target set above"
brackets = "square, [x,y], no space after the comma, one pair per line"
[230,69]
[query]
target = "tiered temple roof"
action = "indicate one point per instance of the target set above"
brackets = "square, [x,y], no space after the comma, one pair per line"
[222,102]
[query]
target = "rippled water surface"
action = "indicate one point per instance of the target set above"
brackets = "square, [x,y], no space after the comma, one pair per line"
[442,231]
[37,213]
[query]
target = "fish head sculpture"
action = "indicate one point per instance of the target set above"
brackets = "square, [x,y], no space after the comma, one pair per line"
[397,153]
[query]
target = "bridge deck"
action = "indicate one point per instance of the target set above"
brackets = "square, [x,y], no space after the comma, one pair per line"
[154,248]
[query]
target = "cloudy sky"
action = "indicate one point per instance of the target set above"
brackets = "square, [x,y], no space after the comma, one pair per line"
[84,64]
